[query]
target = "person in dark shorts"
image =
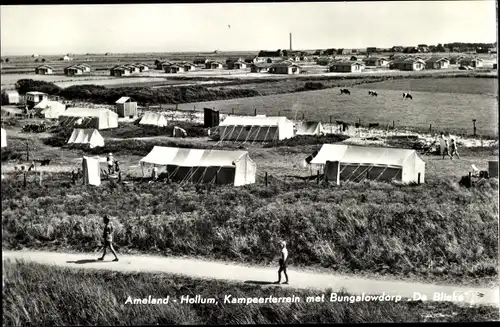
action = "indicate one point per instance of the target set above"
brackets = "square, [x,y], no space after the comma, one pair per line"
[446,151]
[108,238]
[283,262]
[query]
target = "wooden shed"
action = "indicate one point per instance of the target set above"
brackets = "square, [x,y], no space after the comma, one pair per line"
[211,117]
[126,107]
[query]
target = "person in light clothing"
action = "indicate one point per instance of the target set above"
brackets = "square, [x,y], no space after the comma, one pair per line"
[454,149]
[283,262]
[446,152]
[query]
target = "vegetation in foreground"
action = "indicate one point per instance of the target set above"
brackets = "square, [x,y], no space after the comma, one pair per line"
[436,231]
[42,295]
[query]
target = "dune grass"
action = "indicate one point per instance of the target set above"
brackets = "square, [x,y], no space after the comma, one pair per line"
[39,295]
[436,231]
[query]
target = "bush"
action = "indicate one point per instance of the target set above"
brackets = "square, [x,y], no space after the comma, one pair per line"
[27,85]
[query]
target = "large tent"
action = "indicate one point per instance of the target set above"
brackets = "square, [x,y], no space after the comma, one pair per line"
[310,128]
[153,119]
[204,166]
[89,118]
[354,163]
[86,137]
[4,138]
[255,128]
[49,109]
[91,171]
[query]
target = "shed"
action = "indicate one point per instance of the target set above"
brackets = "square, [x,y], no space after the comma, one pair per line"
[204,166]
[210,117]
[493,169]
[346,67]
[126,107]
[437,63]
[354,163]
[284,68]
[44,70]
[255,128]
[34,97]
[89,118]
[10,97]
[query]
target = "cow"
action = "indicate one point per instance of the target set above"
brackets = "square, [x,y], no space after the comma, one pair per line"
[373,125]
[339,122]
[407,95]
[344,91]
[372,93]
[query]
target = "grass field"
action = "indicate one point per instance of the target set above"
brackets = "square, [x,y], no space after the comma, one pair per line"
[452,112]
[76,297]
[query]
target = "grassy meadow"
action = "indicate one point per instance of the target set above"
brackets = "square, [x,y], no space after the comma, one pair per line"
[66,297]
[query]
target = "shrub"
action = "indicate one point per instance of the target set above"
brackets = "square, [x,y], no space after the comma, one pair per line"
[27,85]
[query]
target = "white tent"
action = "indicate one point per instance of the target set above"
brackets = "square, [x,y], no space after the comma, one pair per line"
[153,119]
[255,128]
[89,118]
[91,171]
[204,166]
[179,132]
[90,137]
[310,128]
[356,163]
[4,138]
[50,109]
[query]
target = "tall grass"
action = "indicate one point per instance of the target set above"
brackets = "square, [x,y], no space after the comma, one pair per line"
[435,231]
[42,295]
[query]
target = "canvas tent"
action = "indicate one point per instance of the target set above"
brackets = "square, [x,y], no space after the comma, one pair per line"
[91,171]
[4,138]
[49,109]
[86,137]
[89,118]
[353,163]
[310,128]
[255,128]
[10,97]
[204,166]
[153,119]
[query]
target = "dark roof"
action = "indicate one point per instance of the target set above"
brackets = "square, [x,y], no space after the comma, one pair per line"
[436,59]
[262,65]
[45,66]
[347,63]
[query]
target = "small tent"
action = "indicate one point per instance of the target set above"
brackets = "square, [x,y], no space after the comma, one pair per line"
[354,163]
[91,171]
[153,119]
[255,128]
[10,97]
[89,118]
[310,128]
[204,166]
[49,109]
[4,138]
[86,137]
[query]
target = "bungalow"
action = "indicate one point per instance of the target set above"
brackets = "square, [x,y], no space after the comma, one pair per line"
[240,65]
[133,68]
[324,61]
[284,68]
[142,67]
[163,64]
[119,71]
[344,51]
[254,60]
[260,68]
[408,64]
[472,62]
[201,61]
[66,58]
[44,70]
[214,65]
[376,61]
[34,97]
[273,60]
[437,63]
[85,67]
[454,60]
[175,68]
[346,67]
[189,66]
[73,70]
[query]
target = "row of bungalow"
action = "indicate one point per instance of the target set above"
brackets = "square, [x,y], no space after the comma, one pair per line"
[78,69]
[128,69]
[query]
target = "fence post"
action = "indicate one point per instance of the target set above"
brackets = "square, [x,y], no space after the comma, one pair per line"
[255,111]
[279,113]
[266,178]
[418,179]
[470,179]
[359,122]
[27,151]
[232,111]
[430,128]
[474,124]
[317,177]
[393,125]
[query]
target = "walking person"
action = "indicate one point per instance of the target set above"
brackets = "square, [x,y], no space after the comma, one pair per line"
[108,238]
[446,147]
[454,149]
[283,262]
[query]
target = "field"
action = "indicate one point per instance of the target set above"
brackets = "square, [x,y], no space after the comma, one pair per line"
[446,111]
[69,297]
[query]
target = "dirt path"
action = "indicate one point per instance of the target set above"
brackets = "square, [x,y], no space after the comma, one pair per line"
[258,275]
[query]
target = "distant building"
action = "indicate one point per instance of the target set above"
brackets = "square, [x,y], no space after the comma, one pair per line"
[324,61]
[454,60]
[44,70]
[284,68]
[214,65]
[133,68]
[346,67]
[472,62]
[371,50]
[174,69]
[189,66]
[119,71]
[126,107]
[66,58]
[376,62]
[34,97]
[142,67]
[240,65]
[200,61]
[260,68]
[437,63]
[254,60]
[73,70]
[35,55]
[408,64]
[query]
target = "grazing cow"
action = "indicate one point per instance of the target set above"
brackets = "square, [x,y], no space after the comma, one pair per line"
[373,125]
[407,95]
[372,93]
[344,91]
[339,122]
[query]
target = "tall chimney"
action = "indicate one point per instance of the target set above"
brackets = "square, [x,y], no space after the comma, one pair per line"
[290,42]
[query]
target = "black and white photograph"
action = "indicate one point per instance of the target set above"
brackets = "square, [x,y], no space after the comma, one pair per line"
[241,163]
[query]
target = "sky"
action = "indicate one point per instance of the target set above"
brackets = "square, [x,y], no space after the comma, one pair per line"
[125,28]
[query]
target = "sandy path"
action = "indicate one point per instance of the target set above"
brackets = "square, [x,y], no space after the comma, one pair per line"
[224,271]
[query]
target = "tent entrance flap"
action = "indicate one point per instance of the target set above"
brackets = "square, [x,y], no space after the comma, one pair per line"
[222,175]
